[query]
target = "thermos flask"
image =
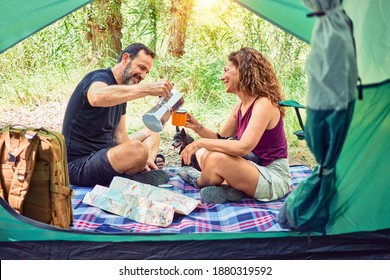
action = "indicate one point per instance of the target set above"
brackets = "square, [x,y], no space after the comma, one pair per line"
[156,118]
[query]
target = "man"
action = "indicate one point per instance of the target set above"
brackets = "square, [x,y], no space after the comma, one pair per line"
[94,127]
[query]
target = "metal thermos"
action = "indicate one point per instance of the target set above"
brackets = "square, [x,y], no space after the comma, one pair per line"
[156,118]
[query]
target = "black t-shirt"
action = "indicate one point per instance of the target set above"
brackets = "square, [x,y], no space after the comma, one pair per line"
[89,129]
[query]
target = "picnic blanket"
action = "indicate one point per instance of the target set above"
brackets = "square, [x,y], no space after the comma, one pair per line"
[248,215]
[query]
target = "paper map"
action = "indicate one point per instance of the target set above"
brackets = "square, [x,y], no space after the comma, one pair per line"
[140,202]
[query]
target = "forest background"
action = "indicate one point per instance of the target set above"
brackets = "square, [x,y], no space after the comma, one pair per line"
[192,39]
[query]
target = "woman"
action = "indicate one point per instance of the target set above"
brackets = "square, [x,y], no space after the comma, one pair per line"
[256,123]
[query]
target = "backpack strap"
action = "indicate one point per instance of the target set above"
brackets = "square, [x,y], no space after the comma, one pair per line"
[61,192]
[23,158]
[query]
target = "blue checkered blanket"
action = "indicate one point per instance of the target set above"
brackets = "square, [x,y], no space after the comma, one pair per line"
[248,215]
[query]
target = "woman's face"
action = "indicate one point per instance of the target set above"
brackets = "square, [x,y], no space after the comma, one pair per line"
[230,77]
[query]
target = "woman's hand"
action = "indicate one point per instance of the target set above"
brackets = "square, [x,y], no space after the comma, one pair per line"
[189,151]
[193,123]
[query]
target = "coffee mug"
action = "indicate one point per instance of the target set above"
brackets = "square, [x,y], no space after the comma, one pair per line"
[179,117]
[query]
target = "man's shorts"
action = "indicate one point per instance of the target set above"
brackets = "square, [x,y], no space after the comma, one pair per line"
[91,170]
[274,180]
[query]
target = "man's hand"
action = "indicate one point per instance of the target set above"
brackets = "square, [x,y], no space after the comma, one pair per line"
[150,165]
[161,88]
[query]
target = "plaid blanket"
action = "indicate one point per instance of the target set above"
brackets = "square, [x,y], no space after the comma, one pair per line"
[248,215]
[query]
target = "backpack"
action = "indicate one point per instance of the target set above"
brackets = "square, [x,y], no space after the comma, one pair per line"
[34,177]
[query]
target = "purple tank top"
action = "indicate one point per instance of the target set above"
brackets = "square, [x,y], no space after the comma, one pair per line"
[273,143]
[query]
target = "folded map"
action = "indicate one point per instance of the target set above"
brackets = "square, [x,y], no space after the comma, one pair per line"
[140,202]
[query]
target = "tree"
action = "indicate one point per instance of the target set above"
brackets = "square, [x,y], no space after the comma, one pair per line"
[153,16]
[180,13]
[104,21]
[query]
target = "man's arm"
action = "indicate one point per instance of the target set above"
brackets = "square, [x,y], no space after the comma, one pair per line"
[102,95]
[120,133]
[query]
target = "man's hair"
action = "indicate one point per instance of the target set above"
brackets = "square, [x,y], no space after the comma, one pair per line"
[134,49]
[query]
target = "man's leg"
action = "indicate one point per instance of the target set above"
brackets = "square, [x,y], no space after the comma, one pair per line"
[152,141]
[92,170]
[128,158]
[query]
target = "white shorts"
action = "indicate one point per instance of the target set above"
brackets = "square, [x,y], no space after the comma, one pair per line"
[274,180]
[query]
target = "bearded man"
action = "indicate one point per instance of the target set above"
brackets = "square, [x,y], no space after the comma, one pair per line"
[94,127]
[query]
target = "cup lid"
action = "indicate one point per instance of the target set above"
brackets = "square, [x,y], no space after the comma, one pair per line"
[165,186]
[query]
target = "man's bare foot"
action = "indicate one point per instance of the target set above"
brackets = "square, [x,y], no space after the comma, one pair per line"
[160,161]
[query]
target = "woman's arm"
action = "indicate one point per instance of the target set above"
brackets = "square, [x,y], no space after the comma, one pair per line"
[198,128]
[228,130]
[230,127]
[263,112]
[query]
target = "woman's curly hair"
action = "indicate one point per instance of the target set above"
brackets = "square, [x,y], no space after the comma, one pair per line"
[257,76]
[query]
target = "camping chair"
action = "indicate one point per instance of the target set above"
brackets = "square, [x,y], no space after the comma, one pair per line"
[292,103]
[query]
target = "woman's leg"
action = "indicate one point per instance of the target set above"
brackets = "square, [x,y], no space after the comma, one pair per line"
[236,171]
[200,156]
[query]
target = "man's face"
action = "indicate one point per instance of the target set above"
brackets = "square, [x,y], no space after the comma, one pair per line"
[135,71]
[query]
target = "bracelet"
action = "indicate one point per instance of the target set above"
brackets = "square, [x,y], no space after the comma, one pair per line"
[220,137]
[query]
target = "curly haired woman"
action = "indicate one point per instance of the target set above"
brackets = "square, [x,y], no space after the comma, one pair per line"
[255,127]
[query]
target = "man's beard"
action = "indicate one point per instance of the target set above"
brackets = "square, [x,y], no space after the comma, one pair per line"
[127,77]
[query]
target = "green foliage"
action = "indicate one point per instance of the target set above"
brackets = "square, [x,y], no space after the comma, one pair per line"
[48,65]
[146,22]
[36,69]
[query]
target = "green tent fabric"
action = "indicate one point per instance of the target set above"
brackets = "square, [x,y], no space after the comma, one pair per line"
[362,171]
[332,81]
[355,198]
[371,20]
[21,18]
[357,201]
[289,15]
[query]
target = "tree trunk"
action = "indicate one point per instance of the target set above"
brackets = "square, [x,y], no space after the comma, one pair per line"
[153,17]
[105,24]
[180,13]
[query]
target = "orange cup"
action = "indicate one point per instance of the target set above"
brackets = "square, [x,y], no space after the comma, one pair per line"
[179,117]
